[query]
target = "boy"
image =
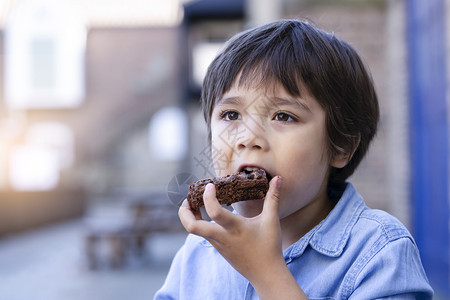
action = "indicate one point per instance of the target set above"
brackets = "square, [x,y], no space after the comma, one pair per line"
[297,102]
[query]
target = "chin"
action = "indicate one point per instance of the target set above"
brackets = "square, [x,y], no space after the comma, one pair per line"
[249,208]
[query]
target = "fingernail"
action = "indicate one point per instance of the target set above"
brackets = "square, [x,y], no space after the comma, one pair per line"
[279,181]
[208,187]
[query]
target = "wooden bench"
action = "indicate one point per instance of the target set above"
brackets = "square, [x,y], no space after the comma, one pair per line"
[129,236]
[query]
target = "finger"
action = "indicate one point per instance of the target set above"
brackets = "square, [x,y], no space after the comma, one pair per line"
[197,213]
[215,211]
[186,214]
[194,223]
[272,199]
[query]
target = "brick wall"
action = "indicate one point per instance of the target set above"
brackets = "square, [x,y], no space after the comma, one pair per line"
[376,30]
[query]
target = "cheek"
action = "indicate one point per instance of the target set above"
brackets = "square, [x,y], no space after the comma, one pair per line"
[221,157]
[218,134]
[300,189]
[305,169]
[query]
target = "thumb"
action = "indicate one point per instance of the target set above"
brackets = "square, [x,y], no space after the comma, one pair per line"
[272,200]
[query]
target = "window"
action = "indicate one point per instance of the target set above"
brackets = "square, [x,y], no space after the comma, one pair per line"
[43,67]
[36,164]
[44,55]
[203,54]
[168,134]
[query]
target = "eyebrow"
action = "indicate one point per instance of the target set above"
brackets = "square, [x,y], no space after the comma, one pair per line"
[275,101]
[229,101]
[280,101]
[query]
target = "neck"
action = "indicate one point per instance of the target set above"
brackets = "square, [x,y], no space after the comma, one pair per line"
[296,225]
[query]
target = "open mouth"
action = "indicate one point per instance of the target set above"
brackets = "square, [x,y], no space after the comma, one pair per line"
[248,170]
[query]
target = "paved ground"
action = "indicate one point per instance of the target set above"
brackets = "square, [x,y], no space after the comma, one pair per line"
[50,264]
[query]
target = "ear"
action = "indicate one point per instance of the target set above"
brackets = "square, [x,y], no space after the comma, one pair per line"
[341,159]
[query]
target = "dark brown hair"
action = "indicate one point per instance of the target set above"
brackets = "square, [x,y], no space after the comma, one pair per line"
[304,59]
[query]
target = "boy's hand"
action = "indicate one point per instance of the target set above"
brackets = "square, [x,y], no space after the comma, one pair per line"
[244,242]
[251,245]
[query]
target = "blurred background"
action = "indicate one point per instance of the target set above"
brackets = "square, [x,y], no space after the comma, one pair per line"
[101,131]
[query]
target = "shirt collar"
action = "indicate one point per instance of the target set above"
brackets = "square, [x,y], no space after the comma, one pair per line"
[330,236]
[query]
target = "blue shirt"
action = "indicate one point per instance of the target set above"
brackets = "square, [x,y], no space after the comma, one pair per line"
[354,253]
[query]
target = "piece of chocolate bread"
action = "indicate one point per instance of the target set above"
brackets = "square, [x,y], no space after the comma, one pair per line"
[231,188]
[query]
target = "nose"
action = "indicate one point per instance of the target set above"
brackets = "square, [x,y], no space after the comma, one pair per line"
[253,136]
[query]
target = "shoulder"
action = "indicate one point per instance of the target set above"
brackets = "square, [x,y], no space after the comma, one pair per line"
[385,253]
[351,226]
[389,262]
[386,226]
[365,224]
[378,235]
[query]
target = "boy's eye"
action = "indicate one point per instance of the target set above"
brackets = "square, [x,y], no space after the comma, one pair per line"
[230,115]
[283,117]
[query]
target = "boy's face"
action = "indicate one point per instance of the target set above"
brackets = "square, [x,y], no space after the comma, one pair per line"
[270,129]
